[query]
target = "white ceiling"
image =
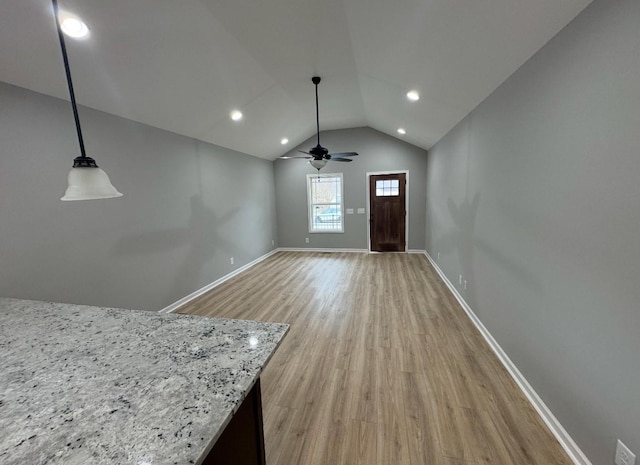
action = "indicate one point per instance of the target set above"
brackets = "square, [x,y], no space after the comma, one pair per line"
[184,65]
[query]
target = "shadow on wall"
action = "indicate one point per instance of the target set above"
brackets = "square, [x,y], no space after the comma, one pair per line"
[202,236]
[461,239]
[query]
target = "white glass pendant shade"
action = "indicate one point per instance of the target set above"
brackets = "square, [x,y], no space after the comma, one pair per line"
[89,183]
[318,164]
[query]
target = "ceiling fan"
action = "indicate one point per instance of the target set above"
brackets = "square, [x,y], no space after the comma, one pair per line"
[318,155]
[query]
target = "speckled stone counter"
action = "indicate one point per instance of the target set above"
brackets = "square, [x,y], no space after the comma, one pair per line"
[88,385]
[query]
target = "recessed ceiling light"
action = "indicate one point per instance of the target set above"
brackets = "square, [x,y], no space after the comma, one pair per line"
[401,131]
[413,95]
[284,141]
[73,26]
[236,115]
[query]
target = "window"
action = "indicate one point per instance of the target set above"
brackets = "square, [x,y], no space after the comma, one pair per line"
[388,188]
[324,200]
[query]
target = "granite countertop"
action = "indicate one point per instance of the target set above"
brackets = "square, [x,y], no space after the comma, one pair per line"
[90,385]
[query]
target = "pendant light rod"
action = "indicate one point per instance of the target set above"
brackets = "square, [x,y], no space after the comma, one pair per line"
[69,82]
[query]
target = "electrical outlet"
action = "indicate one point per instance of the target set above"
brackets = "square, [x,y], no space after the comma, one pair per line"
[459,279]
[624,456]
[306,239]
[465,284]
[273,242]
[438,255]
[231,260]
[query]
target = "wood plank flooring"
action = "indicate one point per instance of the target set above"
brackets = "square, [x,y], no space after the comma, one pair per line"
[381,367]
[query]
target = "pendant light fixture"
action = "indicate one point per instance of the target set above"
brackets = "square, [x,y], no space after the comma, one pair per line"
[86,181]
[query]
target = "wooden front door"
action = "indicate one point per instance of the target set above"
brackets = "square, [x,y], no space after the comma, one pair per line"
[387,212]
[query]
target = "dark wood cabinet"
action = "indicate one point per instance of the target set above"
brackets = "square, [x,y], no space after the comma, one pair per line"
[242,441]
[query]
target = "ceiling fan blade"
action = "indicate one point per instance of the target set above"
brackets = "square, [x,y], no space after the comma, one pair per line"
[340,159]
[297,156]
[343,154]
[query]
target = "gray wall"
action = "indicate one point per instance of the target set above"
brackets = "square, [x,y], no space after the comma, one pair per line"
[535,199]
[377,152]
[187,208]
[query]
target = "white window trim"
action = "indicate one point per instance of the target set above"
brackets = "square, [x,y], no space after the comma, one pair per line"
[310,214]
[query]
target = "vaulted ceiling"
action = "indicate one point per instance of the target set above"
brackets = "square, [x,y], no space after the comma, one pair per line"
[185,65]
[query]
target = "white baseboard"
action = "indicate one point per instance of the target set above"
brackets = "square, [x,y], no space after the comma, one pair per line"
[566,441]
[296,249]
[174,306]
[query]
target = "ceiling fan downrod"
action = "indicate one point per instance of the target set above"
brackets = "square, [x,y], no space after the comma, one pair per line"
[316,80]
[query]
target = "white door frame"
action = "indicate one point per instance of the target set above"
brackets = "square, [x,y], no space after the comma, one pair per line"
[406,205]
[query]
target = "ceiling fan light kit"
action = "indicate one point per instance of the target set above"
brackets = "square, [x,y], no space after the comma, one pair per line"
[318,155]
[318,164]
[85,181]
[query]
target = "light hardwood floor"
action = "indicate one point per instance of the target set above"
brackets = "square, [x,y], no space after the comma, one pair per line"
[381,367]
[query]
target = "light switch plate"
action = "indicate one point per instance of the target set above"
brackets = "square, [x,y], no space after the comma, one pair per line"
[349,211]
[360,211]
